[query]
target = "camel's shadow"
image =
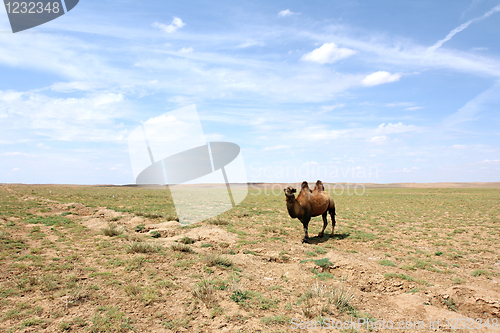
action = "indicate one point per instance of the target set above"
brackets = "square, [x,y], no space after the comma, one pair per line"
[319,240]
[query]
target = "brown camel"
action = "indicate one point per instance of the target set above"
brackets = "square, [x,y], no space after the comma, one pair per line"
[309,204]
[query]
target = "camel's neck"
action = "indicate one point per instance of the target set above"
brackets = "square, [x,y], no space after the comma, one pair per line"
[293,207]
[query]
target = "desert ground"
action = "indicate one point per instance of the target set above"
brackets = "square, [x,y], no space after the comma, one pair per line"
[404,257]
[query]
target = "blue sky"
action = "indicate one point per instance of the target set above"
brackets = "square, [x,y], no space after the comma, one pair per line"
[343,91]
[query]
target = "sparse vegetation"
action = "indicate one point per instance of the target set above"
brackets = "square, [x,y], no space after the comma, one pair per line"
[143,247]
[58,263]
[112,230]
[218,260]
[155,234]
[481,272]
[182,248]
[240,296]
[204,291]
[186,240]
[218,220]
[387,262]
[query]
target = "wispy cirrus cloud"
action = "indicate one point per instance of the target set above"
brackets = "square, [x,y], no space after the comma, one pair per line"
[328,108]
[472,108]
[462,27]
[17,153]
[378,134]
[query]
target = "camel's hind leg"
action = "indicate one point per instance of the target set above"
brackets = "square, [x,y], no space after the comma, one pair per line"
[325,223]
[332,215]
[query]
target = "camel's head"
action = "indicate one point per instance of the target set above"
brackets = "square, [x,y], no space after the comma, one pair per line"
[289,192]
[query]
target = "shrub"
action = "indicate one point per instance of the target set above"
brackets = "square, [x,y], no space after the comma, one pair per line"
[341,298]
[143,247]
[204,291]
[240,296]
[186,240]
[155,234]
[182,248]
[218,260]
[217,221]
[112,230]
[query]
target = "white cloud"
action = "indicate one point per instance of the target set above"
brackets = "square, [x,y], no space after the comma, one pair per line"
[479,49]
[487,161]
[214,137]
[92,118]
[172,27]
[395,128]
[286,12]
[399,104]
[413,108]
[16,153]
[380,77]
[328,53]
[73,86]
[378,139]
[279,147]
[376,135]
[459,146]
[186,50]
[251,42]
[328,108]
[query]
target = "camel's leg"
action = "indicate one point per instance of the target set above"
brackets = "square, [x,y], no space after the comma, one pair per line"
[325,223]
[306,236]
[332,215]
[305,223]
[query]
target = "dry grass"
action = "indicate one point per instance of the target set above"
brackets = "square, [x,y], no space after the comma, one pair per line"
[181,248]
[217,260]
[204,291]
[112,230]
[143,247]
[66,277]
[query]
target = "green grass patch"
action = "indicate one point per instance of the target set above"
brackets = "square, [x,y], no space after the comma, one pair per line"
[110,319]
[49,220]
[277,319]
[481,272]
[386,262]
[388,276]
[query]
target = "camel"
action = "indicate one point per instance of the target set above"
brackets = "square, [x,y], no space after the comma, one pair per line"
[309,204]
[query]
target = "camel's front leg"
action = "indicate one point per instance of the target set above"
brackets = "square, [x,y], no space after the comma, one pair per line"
[325,223]
[305,223]
[306,236]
